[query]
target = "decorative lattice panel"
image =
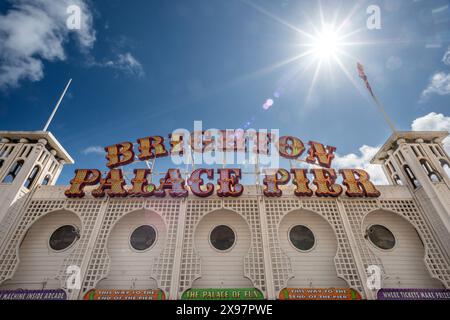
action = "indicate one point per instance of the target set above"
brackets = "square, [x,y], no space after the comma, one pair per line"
[345,264]
[88,211]
[10,218]
[162,269]
[9,257]
[253,261]
[357,210]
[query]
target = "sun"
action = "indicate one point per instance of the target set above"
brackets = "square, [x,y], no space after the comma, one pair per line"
[326,44]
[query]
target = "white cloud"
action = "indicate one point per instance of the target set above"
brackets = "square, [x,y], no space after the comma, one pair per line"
[127,63]
[93,150]
[34,31]
[439,84]
[362,161]
[446,58]
[433,122]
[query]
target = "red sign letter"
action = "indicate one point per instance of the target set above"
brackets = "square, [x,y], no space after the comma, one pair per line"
[317,150]
[228,181]
[195,182]
[141,187]
[148,144]
[290,147]
[272,182]
[358,183]
[176,144]
[174,182]
[83,177]
[114,183]
[325,179]
[119,154]
[302,183]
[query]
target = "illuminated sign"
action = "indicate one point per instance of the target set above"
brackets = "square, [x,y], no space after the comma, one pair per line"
[56,294]
[117,294]
[223,294]
[319,294]
[356,181]
[413,294]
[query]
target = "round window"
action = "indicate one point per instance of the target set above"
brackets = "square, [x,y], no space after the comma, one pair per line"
[302,238]
[143,238]
[63,237]
[381,236]
[222,238]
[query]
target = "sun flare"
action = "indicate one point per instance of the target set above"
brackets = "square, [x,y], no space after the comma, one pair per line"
[326,44]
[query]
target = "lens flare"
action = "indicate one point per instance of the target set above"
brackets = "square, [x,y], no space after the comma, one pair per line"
[268,104]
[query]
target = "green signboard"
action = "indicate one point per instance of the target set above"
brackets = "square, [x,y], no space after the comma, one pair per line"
[223,294]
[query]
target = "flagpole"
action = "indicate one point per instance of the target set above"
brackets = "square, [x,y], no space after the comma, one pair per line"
[385,115]
[57,105]
[380,107]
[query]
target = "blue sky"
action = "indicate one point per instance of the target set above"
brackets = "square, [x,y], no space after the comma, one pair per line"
[144,68]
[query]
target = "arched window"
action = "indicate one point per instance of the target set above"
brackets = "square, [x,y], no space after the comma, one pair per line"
[397,180]
[13,172]
[431,173]
[388,168]
[32,177]
[432,150]
[446,167]
[46,180]
[412,178]
[1,162]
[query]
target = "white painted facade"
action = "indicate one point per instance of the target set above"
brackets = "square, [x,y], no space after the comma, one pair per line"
[262,256]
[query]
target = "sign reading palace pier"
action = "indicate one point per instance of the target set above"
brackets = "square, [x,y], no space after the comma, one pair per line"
[356,181]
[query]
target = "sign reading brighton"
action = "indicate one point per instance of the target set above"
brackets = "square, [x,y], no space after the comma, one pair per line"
[200,181]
